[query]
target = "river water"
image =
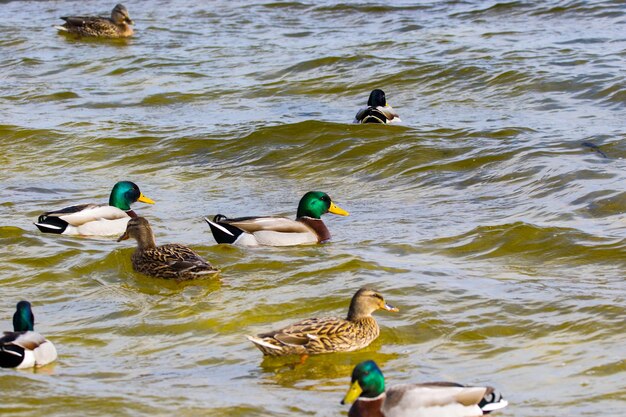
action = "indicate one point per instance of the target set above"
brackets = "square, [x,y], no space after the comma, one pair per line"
[483,217]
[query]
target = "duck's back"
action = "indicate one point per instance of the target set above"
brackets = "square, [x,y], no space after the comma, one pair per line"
[94,26]
[171,261]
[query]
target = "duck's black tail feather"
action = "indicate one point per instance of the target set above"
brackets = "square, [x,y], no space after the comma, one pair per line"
[492,401]
[223,232]
[51,224]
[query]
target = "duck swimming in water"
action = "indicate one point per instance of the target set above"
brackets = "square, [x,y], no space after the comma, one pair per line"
[435,399]
[95,219]
[117,26]
[377,110]
[307,228]
[328,334]
[23,347]
[174,261]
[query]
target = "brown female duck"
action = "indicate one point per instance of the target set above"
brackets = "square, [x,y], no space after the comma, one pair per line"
[328,334]
[173,261]
[117,26]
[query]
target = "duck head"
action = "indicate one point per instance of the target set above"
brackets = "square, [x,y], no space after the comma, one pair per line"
[120,15]
[23,319]
[139,229]
[365,302]
[367,381]
[125,193]
[315,203]
[377,98]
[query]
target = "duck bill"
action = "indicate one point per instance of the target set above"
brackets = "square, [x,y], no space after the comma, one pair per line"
[123,237]
[129,21]
[145,199]
[337,210]
[353,393]
[391,308]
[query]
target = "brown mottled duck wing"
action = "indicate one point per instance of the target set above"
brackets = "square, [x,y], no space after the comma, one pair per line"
[171,261]
[313,330]
[91,26]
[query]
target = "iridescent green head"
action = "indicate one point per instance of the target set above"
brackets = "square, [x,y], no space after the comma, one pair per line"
[367,381]
[125,193]
[316,203]
[23,319]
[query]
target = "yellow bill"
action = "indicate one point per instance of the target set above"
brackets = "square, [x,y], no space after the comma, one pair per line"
[145,199]
[337,210]
[353,393]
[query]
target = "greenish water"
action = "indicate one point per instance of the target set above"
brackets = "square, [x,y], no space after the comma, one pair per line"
[482,217]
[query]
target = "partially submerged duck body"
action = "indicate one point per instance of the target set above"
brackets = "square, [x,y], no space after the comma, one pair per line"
[23,347]
[171,261]
[95,219]
[328,334]
[377,110]
[117,26]
[307,228]
[435,399]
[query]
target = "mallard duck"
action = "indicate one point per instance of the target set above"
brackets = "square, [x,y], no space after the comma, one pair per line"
[23,347]
[307,228]
[377,110]
[435,399]
[328,334]
[117,26]
[166,261]
[93,219]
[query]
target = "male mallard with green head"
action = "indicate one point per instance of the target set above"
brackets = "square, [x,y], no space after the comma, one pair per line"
[434,399]
[307,228]
[94,219]
[117,26]
[377,110]
[23,347]
[328,334]
[173,261]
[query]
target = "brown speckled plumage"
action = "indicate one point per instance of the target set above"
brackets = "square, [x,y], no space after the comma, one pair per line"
[329,334]
[173,261]
[117,26]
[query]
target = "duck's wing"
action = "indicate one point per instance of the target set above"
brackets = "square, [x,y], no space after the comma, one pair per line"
[86,21]
[273,224]
[303,332]
[27,340]
[175,260]
[389,112]
[360,114]
[448,398]
[85,213]
[76,20]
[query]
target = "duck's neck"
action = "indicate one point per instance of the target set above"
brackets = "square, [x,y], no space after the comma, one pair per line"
[318,227]
[359,310]
[145,239]
[367,407]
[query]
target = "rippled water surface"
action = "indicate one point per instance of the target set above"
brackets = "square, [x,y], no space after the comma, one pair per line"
[483,217]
